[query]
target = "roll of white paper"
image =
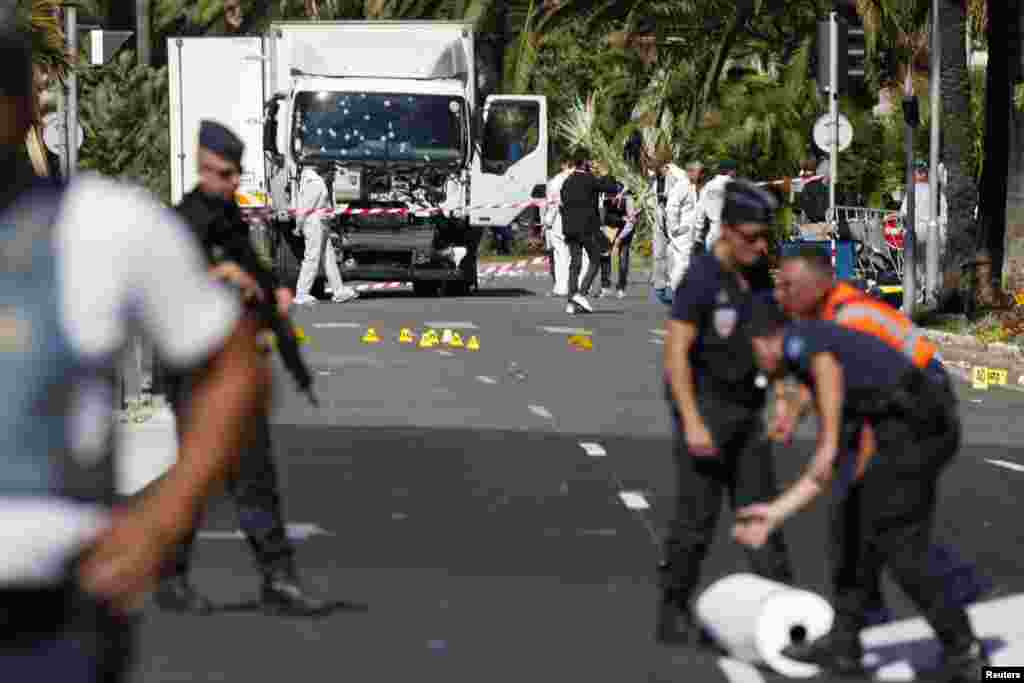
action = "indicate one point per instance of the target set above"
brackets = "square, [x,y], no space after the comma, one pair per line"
[753,619]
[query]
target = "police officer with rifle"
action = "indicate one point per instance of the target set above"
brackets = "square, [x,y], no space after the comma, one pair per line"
[210,211]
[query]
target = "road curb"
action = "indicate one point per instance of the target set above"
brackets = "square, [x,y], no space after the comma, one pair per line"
[963,353]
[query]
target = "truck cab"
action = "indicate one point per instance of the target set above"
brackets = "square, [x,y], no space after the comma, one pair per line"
[387,114]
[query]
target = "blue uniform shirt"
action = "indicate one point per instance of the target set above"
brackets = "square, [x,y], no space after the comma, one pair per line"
[869,364]
[711,298]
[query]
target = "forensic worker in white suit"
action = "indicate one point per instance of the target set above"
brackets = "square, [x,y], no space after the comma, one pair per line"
[713,199]
[310,223]
[684,218]
[553,235]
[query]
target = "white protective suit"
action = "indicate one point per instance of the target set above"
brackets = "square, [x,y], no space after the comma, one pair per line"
[313,196]
[684,218]
[554,236]
[712,201]
[922,217]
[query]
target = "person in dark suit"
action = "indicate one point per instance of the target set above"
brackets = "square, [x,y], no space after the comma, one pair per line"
[581,224]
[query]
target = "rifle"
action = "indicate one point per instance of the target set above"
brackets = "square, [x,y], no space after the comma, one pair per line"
[239,250]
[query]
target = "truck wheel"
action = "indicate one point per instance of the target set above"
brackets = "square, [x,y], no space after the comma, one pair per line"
[426,288]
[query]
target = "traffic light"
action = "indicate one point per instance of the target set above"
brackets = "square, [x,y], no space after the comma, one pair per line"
[852,53]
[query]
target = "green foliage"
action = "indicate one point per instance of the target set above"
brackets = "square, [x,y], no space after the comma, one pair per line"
[124,109]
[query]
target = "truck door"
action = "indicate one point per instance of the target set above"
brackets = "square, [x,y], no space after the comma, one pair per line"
[220,79]
[513,157]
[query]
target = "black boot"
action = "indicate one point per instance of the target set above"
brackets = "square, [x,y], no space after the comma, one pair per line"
[283,594]
[964,667]
[835,653]
[676,625]
[176,594]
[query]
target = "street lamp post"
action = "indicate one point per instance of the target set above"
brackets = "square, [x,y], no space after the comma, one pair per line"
[932,247]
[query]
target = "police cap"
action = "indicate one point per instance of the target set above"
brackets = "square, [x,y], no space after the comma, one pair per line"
[745,202]
[221,141]
[766,318]
[16,57]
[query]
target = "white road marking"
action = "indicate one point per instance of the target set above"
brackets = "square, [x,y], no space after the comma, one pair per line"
[486,380]
[659,342]
[298,532]
[900,644]
[446,353]
[1008,465]
[333,325]
[634,500]
[567,330]
[594,450]
[660,333]
[541,411]
[739,672]
[451,325]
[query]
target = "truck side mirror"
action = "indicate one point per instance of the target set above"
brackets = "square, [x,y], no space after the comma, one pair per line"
[270,125]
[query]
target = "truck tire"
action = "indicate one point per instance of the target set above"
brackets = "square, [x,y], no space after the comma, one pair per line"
[426,288]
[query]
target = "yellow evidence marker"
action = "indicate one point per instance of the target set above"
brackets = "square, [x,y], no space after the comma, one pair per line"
[456,341]
[473,344]
[371,337]
[406,336]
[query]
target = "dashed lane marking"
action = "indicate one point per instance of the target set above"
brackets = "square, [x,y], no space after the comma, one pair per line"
[333,325]
[446,353]
[594,450]
[486,380]
[1008,465]
[296,532]
[451,325]
[567,330]
[634,500]
[541,411]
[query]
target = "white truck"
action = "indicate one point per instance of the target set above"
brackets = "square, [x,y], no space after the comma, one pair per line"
[420,166]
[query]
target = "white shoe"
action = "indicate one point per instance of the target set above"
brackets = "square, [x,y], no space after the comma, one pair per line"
[581,301]
[604,293]
[570,309]
[305,300]
[621,294]
[345,295]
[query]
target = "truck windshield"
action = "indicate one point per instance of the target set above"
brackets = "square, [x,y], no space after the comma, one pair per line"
[379,127]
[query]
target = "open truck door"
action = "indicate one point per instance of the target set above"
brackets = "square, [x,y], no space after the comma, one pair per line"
[512,160]
[220,79]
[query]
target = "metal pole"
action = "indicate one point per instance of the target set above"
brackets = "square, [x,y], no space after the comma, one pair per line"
[71,35]
[909,265]
[142,39]
[932,247]
[833,107]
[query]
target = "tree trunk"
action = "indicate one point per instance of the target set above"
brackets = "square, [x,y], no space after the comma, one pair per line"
[998,101]
[1013,268]
[957,141]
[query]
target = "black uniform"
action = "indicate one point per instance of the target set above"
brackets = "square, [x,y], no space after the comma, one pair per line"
[254,487]
[886,515]
[581,224]
[731,405]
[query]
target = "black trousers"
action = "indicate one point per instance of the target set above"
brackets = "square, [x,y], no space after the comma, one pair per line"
[254,487]
[744,470]
[624,248]
[605,246]
[577,243]
[886,520]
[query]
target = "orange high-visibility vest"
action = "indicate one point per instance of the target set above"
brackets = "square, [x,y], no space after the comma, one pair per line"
[854,309]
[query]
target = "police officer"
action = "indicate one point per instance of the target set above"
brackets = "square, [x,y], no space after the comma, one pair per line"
[215,219]
[77,275]
[806,288]
[717,404]
[887,502]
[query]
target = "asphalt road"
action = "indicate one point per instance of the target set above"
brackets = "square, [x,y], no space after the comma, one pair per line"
[494,515]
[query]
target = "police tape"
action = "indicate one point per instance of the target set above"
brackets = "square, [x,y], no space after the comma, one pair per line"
[394,211]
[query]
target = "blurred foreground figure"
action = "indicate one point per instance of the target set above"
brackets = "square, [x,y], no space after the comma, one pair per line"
[77,278]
